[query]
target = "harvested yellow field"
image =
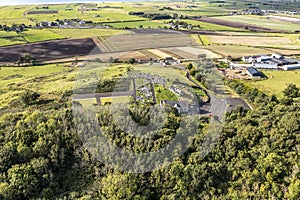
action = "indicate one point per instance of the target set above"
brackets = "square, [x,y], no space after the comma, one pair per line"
[192,52]
[251,40]
[159,53]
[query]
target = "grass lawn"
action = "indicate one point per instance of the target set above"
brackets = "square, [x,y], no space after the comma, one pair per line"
[87,102]
[85,33]
[115,100]
[163,93]
[277,81]
[262,21]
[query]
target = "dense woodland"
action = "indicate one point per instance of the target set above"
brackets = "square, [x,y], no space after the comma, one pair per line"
[256,157]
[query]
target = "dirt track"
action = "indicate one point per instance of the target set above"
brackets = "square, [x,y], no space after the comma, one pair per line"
[238,25]
[50,50]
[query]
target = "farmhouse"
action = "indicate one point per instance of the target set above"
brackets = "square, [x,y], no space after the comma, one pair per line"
[254,73]
[170,61]
[181,106]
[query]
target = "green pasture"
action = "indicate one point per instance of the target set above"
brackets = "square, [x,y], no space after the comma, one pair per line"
[137,24]
[163,93]
[36,35]
[11,38]
[30,35]
[13,12]
[49,80]
[85,33]
[277,81]
[72,11]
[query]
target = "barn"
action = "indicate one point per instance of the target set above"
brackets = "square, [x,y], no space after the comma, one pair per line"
[291,67]
[254,73]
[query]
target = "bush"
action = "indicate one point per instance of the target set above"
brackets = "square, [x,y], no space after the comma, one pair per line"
[29,97]
[291,91]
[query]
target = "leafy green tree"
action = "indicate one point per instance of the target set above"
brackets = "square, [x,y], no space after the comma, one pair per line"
[190,66]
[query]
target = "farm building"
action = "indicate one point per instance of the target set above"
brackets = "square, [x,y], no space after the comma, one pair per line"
[249,59]
[254,73]
[275,61]
[292,61]
[291,67]
[263,58]
[277,56]
[181,106]
[265,66]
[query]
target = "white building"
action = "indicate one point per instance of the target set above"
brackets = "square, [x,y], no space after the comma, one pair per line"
[265,65]
[291,67]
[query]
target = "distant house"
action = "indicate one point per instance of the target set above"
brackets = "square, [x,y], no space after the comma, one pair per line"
[88,9]
[248,59]
[181,106]
[254,73]
[170,61]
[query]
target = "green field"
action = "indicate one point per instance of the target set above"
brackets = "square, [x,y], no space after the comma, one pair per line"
[64,12]
[30,35]
[85,33]
[262,21]
[50,80]
[277,81]
[137,24]
[163,93]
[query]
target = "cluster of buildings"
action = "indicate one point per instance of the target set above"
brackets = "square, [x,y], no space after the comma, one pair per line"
[274,61]
[64,22]
[84,8]
[257,11]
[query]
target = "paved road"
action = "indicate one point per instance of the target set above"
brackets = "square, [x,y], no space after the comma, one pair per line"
[214,105]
